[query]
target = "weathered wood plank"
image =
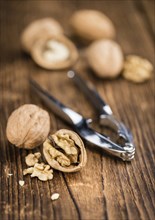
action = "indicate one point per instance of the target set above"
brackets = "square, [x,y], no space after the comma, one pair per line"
[145,7]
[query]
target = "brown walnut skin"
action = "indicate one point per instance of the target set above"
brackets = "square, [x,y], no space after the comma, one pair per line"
[73,167]
[40,44]
[28,126]
[105,57]
[37,29]
[91,25]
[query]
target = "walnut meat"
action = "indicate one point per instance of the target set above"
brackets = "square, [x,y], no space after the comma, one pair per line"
[40,170]
[28,126]
[32,159]
[137,69]
[105,57]
[37,29]
[65,151]
[92,25]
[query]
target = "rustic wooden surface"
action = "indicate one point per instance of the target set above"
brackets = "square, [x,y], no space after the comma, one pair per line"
[107,188]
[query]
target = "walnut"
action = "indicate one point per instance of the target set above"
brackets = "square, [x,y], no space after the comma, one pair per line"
[54,52]
[137,69]
[92,25]
[32,159]
[105,57]
[40,170]
[28,126]
[65,151]
[37,29]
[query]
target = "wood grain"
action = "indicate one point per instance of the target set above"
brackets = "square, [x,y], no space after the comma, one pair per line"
[107,188]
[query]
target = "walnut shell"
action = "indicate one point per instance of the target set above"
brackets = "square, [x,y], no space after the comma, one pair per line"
[38,28]
[64,46]
[65,151]
[28,126]
[92,25]
[105,57]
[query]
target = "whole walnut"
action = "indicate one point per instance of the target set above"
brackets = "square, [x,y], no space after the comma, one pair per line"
[28,126]
[92,25]
[105,57]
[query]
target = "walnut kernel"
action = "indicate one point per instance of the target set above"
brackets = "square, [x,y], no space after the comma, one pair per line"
[137,69]
[40,170]
[32,159]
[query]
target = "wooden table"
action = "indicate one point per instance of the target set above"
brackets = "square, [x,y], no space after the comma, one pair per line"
[106,188]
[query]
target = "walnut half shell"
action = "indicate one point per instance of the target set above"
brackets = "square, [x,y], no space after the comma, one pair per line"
[65,151]
[54,52]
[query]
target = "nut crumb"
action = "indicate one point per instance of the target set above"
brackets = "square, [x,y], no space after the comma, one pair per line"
[21,182]
[40,170]
[32,159]
[137,69]
[55,196]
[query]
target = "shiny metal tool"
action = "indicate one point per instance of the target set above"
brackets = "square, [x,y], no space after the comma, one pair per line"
[82,125]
